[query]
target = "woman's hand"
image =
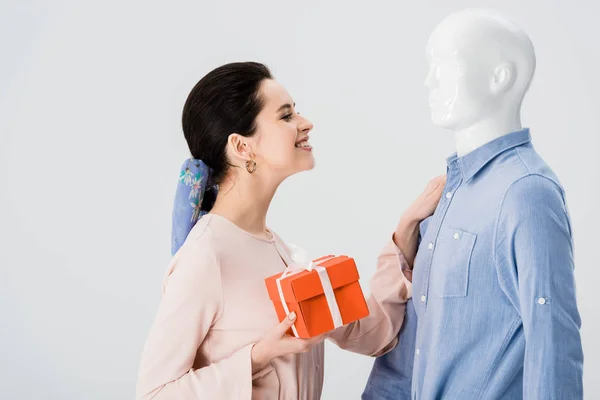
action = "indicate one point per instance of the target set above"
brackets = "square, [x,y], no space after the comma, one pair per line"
[425,204]
[407,231]
[278,343]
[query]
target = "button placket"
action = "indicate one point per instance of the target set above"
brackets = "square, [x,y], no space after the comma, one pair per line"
[453,182]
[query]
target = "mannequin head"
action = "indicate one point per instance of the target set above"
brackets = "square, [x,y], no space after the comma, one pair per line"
[480,67]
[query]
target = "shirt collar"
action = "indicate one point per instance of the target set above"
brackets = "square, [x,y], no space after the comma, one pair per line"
[473,162]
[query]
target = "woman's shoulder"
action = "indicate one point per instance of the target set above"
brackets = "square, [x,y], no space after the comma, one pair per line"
[202,234]
[198,254]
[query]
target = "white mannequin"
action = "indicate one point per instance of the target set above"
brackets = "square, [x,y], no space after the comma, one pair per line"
[494,309]
[480,67]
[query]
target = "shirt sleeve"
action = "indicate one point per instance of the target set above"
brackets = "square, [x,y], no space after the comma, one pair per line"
[391,375]
[191,302]
[377,333]
[534,255]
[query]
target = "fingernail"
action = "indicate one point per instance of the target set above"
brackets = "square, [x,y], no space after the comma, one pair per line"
[292,316]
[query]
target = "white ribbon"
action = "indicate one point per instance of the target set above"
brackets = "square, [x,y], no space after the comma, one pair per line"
[299,262]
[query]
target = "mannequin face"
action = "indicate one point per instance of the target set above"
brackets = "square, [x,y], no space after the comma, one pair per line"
[480,67]
[459,85]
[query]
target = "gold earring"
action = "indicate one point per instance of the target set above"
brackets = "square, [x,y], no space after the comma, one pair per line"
[250,166]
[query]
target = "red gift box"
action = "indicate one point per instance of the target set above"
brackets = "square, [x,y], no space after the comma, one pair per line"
[323,298]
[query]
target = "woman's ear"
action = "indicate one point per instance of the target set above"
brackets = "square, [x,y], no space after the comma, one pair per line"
[240,147]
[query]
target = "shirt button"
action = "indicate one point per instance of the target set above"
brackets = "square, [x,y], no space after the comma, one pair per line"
[430,246]
[542,301]
[423,298]
[418,351]
[456,235]
[449,195]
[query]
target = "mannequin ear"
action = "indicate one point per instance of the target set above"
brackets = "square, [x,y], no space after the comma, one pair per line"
[239,146]
[503,79]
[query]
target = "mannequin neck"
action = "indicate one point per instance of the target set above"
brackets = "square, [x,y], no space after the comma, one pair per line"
[485,131]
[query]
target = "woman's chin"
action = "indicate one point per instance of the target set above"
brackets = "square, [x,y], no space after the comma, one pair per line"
[304,166]
[310,165]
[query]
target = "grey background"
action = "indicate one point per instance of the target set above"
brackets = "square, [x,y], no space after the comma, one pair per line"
[90,148]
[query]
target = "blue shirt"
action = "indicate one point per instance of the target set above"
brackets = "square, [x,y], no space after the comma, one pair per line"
[493,286]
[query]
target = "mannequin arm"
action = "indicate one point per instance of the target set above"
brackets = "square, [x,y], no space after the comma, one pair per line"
[534,255]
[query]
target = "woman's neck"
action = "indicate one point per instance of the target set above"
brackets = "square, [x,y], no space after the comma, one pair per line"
[246,203]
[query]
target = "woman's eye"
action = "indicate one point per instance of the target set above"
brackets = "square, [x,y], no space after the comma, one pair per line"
[287,117]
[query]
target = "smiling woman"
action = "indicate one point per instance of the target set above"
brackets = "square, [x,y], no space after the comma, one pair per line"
[225,109]
[216,334]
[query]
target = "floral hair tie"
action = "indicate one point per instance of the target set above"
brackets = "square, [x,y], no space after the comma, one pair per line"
[194,181]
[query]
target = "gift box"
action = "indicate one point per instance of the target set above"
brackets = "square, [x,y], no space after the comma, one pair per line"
[325,295]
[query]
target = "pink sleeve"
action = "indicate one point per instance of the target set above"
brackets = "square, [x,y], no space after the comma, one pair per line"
[191,302]
[377,333]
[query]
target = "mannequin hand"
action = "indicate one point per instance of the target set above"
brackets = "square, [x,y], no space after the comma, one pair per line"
[277,343]
[407,232]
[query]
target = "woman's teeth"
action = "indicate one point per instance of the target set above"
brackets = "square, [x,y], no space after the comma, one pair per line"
[303,144]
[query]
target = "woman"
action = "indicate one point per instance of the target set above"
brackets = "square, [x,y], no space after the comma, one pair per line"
[216,334]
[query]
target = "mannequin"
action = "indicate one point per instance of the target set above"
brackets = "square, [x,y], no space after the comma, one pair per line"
[494,312]
[476,90]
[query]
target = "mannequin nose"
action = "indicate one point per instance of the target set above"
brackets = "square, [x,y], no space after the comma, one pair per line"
[431,78]
[428,80]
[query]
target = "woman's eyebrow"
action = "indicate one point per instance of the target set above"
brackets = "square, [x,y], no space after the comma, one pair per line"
[287,105]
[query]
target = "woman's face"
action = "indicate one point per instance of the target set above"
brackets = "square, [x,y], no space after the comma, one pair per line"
[280,145]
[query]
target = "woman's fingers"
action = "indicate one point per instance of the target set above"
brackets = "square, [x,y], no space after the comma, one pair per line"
[435,185]
[286,324]
[292,344]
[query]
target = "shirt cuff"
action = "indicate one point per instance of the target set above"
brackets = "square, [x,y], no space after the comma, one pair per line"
[404,266]
[261,372]
[401,259]
[241,363]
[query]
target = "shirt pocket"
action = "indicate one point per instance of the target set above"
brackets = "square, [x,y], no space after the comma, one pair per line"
[451,264]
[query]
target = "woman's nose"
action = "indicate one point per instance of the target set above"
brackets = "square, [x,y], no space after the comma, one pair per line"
[305,125]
